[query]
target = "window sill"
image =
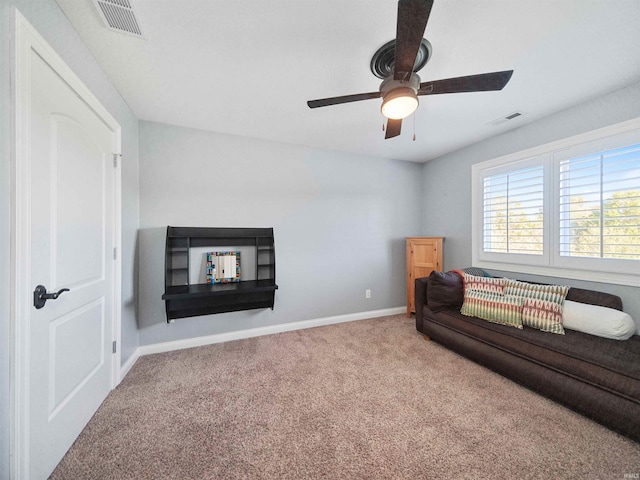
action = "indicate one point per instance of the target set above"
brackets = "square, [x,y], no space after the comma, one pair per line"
[586,275]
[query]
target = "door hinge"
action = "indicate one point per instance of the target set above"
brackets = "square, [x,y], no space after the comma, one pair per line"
[113,347]
[115,253]
[116,156]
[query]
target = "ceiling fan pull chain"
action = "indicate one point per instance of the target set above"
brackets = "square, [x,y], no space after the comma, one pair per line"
[414,127]
[383,124]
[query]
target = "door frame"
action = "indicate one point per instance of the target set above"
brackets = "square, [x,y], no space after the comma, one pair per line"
[25,38]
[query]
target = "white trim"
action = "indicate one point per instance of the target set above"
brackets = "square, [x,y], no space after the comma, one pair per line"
[586,275]
[25,38]
[519,259]
[260,331]
[561,144]
[116,375]
[19,448]
[128,365]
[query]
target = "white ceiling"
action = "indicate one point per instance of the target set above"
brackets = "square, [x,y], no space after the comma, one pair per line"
[248,67]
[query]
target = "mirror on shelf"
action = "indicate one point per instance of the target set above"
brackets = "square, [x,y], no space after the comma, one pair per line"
[223,267]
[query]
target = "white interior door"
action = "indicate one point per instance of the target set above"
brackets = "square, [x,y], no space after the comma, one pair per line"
[69,217]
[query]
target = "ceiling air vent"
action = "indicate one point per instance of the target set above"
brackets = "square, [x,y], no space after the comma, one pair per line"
[118,16]
[506,118]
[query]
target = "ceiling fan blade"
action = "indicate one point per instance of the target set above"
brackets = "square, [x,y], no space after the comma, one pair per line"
[324,102]
[472,83]
[393,128]
[412,21]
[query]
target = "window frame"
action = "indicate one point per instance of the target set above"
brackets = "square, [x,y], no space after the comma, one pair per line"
[519,258]
[505,169]
[551,263]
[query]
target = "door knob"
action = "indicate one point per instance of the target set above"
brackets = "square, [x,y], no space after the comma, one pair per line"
[40,295]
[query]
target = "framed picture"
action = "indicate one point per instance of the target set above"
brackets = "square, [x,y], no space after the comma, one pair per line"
[223,267]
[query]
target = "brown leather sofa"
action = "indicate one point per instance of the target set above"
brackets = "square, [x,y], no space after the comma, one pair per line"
[594,376]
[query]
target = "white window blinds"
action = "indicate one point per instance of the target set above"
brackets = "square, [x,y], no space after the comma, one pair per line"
[513,211]
[569,208]
[599,202]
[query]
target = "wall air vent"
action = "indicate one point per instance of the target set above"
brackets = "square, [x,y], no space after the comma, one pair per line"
[118,16]
[506,118]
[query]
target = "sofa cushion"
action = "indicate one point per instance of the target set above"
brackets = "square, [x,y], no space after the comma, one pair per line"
[592,297]
[599,321]
[446,290]
[493,306]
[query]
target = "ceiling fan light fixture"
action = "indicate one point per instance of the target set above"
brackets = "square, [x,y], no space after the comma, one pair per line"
[399,103]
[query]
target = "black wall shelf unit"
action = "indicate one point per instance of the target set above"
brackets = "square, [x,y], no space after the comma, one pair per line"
[185,299]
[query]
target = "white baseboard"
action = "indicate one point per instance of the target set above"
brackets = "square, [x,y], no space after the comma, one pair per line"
[257,332]
[124,369]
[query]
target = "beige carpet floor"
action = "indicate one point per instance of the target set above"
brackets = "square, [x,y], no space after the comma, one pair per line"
[361,400]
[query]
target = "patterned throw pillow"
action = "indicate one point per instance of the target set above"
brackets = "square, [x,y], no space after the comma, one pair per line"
[553,293]
[543,308]
[543,315]
[487,284]
[493,306]
[478,272]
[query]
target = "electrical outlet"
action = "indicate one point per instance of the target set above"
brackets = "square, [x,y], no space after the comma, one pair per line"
[367,294]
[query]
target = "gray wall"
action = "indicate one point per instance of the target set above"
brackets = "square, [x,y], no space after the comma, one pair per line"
[339,221]
[446,181]
[48,19]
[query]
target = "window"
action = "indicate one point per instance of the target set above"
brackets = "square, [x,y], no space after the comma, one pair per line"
[599,201]
[570,208]
[513,218]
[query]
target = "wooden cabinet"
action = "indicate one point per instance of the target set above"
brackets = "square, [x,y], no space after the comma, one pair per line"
[424,254]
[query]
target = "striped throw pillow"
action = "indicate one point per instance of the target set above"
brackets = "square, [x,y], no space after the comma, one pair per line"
[488,284]
[494,307]
[543,306]
[543,315]
[552,293]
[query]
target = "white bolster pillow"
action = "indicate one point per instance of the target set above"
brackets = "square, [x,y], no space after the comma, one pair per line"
[595,320]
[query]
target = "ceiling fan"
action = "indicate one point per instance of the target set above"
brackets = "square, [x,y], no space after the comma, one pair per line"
[401,86]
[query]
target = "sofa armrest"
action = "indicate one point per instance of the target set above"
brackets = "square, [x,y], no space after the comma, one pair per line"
[420,300]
